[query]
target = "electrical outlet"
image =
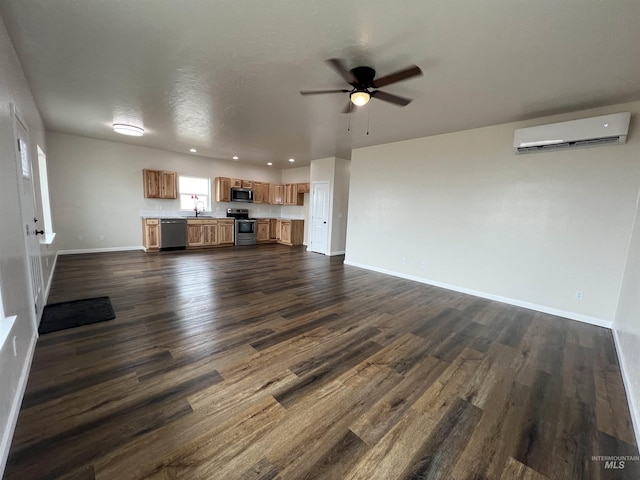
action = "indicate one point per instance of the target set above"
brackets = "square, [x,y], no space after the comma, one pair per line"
[158,207]
[404,260]
[80,237]
[579,294]
[15,347]
[101,237]
[423,264]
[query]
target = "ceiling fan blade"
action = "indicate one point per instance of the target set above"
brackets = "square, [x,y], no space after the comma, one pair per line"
[388,97]
[316,92]
[339,66]
[398,76]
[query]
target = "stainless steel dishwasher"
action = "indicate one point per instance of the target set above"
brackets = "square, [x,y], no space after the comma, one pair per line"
[173,233]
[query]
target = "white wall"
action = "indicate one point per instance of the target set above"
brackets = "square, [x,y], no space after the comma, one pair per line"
[340,199]
[96,189]
[532,229]
[627,324]
[13,260]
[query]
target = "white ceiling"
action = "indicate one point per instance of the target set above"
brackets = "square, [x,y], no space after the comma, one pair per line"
[224,76]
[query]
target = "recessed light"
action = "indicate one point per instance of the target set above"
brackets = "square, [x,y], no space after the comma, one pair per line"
[193,150]
[269,163]
[292,160]
[128,129]
[235,157]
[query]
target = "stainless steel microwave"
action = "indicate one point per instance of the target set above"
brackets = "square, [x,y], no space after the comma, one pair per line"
[241,194]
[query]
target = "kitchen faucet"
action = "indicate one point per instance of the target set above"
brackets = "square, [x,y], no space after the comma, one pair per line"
[196,209]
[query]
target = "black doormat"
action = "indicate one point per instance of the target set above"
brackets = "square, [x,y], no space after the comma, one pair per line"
[60,316]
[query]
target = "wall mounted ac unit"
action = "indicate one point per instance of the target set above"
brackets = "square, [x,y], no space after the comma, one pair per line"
[584,132]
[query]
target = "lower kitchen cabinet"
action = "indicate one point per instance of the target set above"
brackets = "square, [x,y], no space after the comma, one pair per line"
[263,231]
[151,233]
[194,234]
[274,227]
[202,233]
[226,231]
[291,232]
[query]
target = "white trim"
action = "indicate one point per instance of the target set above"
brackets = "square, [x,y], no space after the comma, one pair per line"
[340,252]
[47,238]
[5,444]
[510,301]
[6,324]
[99,250]
[53,269]
[634,408]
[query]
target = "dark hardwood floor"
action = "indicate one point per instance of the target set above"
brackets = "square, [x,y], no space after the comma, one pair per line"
[272,362]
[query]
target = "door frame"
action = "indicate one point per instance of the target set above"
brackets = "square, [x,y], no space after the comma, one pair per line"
[329,216]
[18,117]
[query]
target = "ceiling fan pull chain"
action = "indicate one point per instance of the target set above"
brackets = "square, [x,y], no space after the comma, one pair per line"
[368,117]
[349,127]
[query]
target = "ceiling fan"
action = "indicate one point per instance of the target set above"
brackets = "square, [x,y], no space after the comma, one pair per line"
[365,85]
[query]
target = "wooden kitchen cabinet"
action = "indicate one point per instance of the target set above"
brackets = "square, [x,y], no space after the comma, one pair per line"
[247,183]
[291,232]
[273,228]
[236,183]
[160,184]
[151,233]
[276,194]
[260,192]
[304,188]
[292,196]
[194,234]
[210,234]
[223,189]
[263,230]
[226,231]
[202,232]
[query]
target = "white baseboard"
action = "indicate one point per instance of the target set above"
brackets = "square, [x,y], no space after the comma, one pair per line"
[634,405]
[99,250]
[489,296]
[5,445]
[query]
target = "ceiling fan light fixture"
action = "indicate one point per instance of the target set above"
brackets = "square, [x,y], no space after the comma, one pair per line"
[360,98]
[125,129]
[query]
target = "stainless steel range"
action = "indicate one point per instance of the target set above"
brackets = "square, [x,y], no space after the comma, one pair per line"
[246,229]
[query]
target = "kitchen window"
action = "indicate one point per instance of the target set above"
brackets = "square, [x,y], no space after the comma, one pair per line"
[192,187]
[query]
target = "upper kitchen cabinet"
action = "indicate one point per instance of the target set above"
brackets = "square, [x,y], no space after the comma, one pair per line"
[293,195]
[276,194]
[260,192]
[160,184]
[223,189]
[236,183]
[303,188]
[247,183]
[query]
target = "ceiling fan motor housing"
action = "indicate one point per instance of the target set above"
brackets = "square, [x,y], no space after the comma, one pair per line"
[364,76]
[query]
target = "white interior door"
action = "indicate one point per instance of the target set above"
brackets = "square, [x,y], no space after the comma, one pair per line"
[320,203]
[32,225]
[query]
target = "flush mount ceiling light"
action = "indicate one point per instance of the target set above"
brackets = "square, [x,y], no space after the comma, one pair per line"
[292,160]
[192,150]
[360,98]
[125,129]
[269,163]
[235,157]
